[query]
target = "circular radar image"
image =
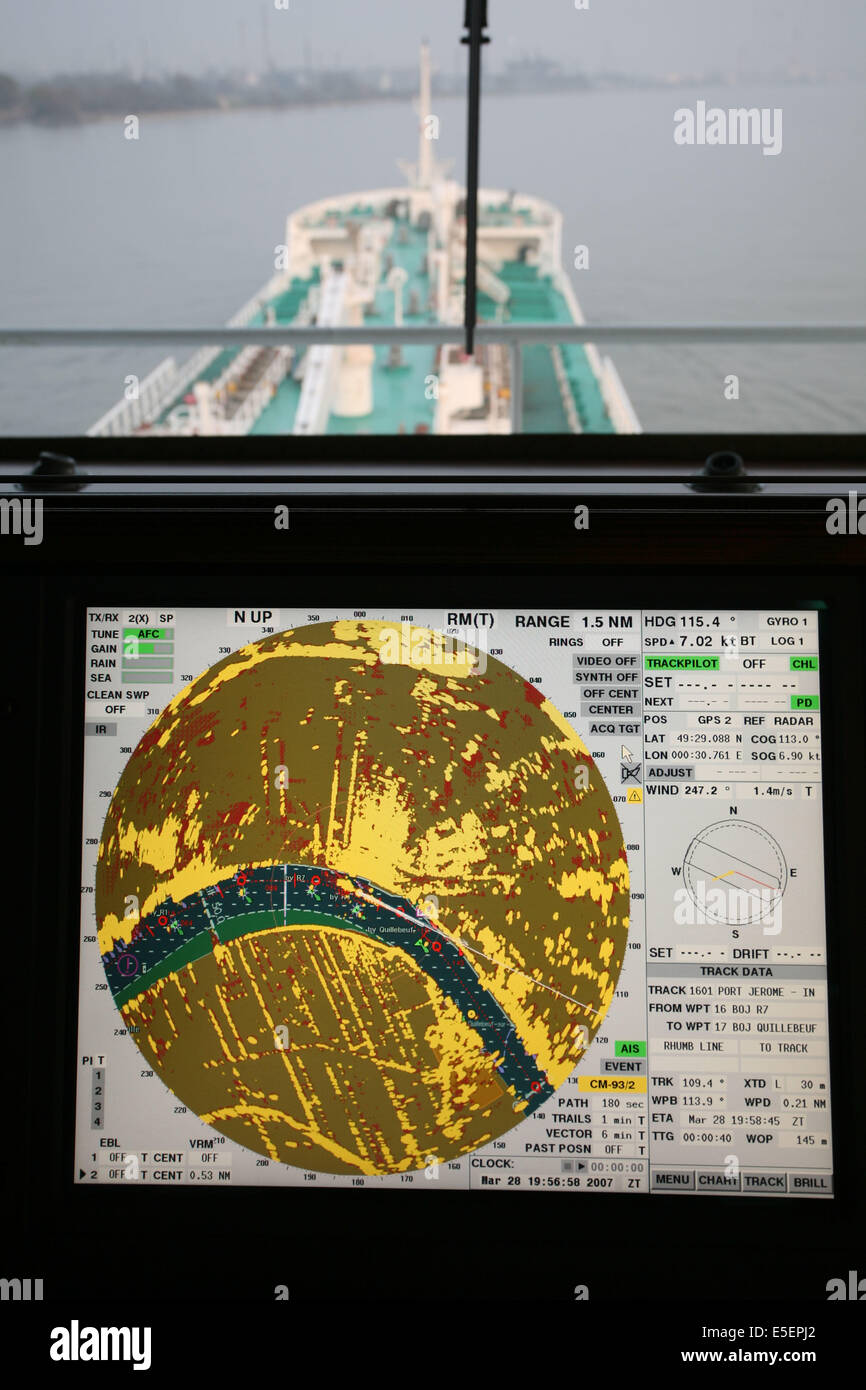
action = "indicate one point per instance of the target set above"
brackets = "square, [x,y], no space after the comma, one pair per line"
[362,900]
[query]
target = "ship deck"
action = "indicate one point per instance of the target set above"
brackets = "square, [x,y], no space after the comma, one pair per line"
[400,403]
[400,393]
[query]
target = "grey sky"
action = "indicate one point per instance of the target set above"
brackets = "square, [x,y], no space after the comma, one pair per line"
[38,37]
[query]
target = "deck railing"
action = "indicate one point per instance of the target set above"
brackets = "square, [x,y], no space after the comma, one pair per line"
[512,335]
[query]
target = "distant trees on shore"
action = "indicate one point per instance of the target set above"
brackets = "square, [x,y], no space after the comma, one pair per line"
[68,99]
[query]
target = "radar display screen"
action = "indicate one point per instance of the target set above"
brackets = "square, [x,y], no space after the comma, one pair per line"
[481,900]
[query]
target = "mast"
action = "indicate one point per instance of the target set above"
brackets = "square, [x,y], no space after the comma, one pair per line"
[425,144]
[428,169]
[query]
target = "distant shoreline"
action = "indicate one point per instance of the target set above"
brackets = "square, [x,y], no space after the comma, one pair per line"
[21,115]
[171,112]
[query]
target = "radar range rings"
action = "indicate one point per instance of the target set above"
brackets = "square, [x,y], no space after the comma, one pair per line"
[401,949]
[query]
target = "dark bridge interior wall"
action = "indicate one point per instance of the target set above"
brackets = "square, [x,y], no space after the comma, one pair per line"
[165,526]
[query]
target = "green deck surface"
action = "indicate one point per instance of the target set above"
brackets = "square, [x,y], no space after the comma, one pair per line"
[535,299]
[400,403]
